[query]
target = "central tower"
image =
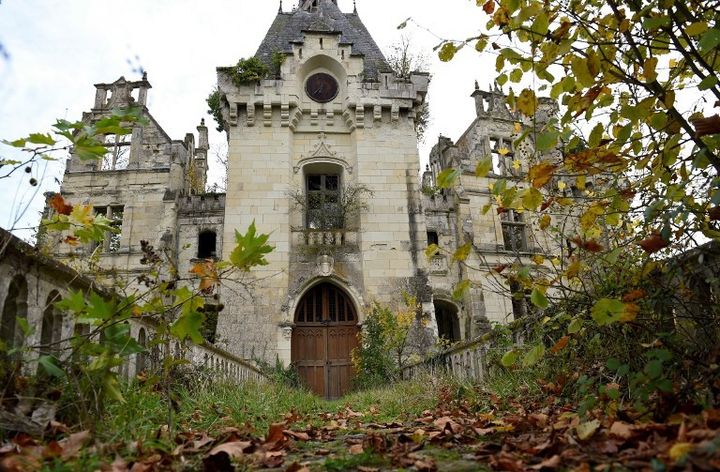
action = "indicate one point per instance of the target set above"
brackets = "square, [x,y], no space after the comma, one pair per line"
[331,129]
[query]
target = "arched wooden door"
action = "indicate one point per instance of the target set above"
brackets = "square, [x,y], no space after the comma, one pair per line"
[325,334]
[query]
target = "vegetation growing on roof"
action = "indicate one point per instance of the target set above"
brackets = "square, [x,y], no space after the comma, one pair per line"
[248,71]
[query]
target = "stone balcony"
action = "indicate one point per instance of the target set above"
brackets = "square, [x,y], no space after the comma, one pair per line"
[324,237]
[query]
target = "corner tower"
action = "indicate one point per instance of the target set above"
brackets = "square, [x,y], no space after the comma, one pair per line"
[331,124]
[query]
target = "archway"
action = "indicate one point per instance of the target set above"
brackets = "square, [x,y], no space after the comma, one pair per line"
[446,315]
[51,331]
[14,307]
[326,329]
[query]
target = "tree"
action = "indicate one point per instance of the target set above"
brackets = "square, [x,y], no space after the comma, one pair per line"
[635,82]
[403,60]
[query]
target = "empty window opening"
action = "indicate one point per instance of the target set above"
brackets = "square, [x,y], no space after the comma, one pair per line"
[207,245]
[115,214]
[321,43]
[446,315]
[432,238]
[501,154]
[513,229]
[117,156]
[14,307]
[342,54]
[51,332]
[324,209]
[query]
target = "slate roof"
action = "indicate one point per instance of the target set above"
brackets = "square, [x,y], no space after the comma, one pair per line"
[288,28]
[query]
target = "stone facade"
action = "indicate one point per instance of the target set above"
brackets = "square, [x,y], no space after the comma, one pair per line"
[283,139]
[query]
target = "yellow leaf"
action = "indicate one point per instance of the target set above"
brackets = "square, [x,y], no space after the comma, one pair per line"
[561,185]
[527,102]
[555,261]
[531,198]
[82,214]
[649,69]
[680,450]
[586,430]
[697,28]
[541,174]
[545,221]
[516,164]
[573,269]
[538,259]
[503,151]
[518,127]
[629,313]
[673,63]
[462,252]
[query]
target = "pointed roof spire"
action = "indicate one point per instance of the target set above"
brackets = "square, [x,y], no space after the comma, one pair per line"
[355,7]
[280,7]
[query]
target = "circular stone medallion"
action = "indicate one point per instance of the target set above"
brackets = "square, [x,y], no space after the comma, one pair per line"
[321,87]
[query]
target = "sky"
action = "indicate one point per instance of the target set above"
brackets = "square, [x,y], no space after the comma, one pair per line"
[54,51]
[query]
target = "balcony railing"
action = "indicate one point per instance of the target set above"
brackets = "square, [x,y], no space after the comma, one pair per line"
[324,237]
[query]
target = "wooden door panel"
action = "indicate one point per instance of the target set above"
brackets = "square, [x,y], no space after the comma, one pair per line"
[323,340]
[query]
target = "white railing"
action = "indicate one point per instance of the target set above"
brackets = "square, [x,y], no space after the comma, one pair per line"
[468,361]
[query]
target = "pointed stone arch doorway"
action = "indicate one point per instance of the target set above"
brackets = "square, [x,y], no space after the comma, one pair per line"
[325,333]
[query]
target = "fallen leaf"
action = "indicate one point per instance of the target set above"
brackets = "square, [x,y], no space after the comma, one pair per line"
[679,450]
[276,433]
[634,295]
[560,345]
[586,430]
[297,467]
[233,449]
[299,436]
[72,444]
[356,449]
[621,430]
[550,463]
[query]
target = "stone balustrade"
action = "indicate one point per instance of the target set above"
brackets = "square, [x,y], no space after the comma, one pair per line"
[467,361]
[324,237]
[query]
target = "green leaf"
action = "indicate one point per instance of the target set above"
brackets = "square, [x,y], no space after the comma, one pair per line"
[546,141]
[607,311]
[111,387]
[708,82]
[581,71]
[189,325]
[656,22]
[596,135]
[73,302]
[516,75]
[18,143]
[51,366]
[447,52]
[654,369]
[533,355]
[481,44]
[460,289]
[539,299]
[38,138]
[463,252]
[509,358]
[250,250]
[98,308]
[447,178]
[575,326]
[710,40]
[483,167]
[532,198]
[24,325]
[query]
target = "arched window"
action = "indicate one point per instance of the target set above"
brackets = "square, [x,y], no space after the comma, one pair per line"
[51,326]
[15,307]
[207,244]
[140,357]
[446,315]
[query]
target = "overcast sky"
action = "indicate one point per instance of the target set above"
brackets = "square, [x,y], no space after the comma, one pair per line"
[57,49]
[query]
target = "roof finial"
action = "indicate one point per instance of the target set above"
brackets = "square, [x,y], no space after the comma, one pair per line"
[280,7]
[354,7]
[477,86]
